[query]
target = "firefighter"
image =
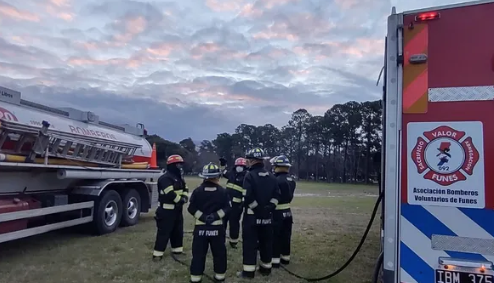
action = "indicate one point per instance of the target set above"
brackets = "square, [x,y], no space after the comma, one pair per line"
[260,199]
[209,204]
[173,193]
[282,216]
[235,192]
[223,169]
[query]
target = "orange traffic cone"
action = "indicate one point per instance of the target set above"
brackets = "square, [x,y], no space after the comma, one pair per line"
[154,162]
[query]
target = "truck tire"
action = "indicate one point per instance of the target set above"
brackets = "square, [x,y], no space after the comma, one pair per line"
[108,212]
[131,206]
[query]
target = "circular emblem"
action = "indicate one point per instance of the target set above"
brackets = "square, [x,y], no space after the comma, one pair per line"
[445,155]
[7,115]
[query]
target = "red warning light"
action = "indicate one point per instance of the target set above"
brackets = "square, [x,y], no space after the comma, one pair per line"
[427,16]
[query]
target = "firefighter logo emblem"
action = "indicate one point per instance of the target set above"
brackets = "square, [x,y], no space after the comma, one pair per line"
[7,115]
[445,155]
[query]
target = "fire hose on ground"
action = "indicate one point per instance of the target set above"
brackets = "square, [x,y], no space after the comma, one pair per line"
[378,265]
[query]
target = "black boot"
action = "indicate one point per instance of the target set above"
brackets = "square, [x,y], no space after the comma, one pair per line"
[157,258]
[245,275]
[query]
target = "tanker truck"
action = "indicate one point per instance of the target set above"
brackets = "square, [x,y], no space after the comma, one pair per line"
[62,167]
[438,147]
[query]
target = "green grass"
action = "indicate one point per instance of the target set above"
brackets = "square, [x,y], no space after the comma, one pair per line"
[327,227]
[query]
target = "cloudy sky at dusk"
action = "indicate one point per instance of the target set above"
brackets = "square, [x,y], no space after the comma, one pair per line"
[195,67]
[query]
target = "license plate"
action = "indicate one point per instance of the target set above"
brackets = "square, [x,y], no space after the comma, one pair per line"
[448,276]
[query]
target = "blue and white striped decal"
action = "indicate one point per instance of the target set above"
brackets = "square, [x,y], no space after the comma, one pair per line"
[417,225]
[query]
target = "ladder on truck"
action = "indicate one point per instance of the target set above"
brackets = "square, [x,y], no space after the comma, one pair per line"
[52,143]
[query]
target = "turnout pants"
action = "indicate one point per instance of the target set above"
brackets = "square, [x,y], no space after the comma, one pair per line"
[233,221]
[257,234]
[170,224]
[283,222]
[206,236]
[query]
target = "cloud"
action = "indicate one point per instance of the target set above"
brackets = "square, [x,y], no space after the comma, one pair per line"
[194,67]
[9,11]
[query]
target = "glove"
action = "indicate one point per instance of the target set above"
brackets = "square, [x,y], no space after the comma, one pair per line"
[210,219]
[270,207]
[183,200]
[222,161]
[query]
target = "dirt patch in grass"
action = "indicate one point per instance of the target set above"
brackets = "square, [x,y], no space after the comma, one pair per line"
[326,231]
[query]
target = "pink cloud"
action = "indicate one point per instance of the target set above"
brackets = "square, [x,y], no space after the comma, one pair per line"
[249,11]
[224,6]
[221,53]
[16,14]
[135,61]
[278,30]
[130,28]
[360,47]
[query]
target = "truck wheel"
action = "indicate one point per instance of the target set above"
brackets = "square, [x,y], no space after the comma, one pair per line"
[108,212]
[131,208]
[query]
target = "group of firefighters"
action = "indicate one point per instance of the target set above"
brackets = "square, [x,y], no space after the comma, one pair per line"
[263,197]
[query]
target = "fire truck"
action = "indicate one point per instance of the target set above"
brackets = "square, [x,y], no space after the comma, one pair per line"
[62,167]
[438,212]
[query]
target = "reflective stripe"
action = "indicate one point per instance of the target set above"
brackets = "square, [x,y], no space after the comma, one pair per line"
[274,201]
[236,187]
[285,257]
[177,199]
[168,206]
[198,214]
[220,276]
[178,250]
[221,213]
[244,193]
[229,185]
[158,253]
[215,223]
[179,192]
[276,260]
[283,206]
[195,278]
[233,241]
[250,211]
[237,200]
[168,190]
[253,204]
[249,268]
[185,194]
[266,265]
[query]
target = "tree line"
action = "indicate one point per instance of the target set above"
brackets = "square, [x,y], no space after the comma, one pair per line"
[335,147]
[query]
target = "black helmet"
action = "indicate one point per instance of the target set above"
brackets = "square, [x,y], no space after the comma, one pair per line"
[210,171]
[281,161]
[255,153]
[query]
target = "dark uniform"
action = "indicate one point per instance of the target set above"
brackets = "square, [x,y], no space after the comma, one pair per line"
[282,216]
[261,197]
[173,193]
[209,204]
[234,187]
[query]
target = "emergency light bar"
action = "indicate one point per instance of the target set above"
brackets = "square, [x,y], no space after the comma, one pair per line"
[427,16]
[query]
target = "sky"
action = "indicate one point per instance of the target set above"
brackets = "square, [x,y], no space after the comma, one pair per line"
[195,68]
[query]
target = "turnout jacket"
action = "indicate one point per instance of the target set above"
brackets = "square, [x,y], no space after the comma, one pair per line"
[173,191]
[287,188]
[209,199]
[262,192]
[234,187]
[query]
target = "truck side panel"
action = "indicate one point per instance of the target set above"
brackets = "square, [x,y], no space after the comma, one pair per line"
[447,192]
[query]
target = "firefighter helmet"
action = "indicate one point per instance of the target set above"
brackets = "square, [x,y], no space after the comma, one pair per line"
[281,161]
[240,162]
[175,158]
[210,171]
[255,153]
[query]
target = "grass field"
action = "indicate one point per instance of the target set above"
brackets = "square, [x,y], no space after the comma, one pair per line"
[329,220]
